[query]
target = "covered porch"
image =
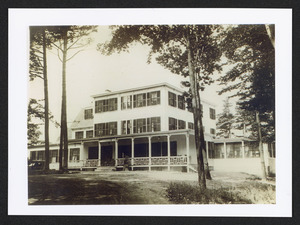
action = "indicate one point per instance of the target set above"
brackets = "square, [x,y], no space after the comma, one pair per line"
[163,151]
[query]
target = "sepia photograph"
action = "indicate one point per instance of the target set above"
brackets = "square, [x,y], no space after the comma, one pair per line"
[151,114]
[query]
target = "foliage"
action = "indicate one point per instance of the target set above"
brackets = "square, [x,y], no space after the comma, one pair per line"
[35,110]
[249,49]
[225,121]
[183,193]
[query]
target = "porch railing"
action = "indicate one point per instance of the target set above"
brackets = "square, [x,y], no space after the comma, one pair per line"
[83,163]
[155,161]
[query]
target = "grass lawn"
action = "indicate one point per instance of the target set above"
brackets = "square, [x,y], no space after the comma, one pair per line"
[141,187]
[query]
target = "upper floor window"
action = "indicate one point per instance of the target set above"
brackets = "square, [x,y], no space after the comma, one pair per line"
[181,124]
[79,135]
[126,126]
[153,98]
[172,123]
[172,99]
[212,113]
[180,102]
[139,100]
[153,124]
[89,133]
[126,102]
[88,114]
[106,105]
[212,131]
[105,129]
[191,125]
[139,126]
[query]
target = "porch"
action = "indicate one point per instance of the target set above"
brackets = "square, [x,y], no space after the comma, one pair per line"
[158,152]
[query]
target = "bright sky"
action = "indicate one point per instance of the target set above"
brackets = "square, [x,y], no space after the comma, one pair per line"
[90,73]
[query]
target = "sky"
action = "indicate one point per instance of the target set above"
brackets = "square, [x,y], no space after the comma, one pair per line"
[90,72]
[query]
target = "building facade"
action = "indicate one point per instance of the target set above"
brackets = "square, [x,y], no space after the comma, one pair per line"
[150,125]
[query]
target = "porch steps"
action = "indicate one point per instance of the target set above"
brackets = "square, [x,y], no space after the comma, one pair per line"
[105,169]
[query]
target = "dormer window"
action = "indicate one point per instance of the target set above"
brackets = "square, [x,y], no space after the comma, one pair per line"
[88,114]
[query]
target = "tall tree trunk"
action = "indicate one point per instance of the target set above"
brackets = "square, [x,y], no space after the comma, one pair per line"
[202,140]
[64,129]
[261,151]
[46,102]
[197,118]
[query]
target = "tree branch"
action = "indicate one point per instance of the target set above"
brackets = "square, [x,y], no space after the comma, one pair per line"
[75,54]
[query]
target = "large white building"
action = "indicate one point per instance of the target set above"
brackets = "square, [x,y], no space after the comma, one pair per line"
[152,126]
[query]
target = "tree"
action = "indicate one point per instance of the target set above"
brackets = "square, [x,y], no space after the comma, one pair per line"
[69,38]
[35,110]
[189,50]
[39,42]
[225,121]
[250,48]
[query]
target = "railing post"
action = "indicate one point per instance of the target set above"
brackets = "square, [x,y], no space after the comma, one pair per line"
[150,154]
[169,152]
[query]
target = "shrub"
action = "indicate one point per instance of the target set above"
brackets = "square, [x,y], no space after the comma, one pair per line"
[182,193]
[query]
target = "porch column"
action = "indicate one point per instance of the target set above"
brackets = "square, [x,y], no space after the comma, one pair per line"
[207,152]
[132,153]
[169,152]
[99,153]
[225,151]
[150,153]
[243,149]
[116,152]
[187,137]
[81,151]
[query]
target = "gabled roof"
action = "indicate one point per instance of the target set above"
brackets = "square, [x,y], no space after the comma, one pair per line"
[80,122]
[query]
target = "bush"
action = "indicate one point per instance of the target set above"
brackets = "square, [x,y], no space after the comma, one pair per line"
[182,193]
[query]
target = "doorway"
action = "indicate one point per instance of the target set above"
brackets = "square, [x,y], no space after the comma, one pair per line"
[107,155]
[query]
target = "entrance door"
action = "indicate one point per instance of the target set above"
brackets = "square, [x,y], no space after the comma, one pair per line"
[93,153]
[107,156]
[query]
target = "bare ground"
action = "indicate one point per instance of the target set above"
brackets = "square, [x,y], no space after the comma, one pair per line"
[134,187]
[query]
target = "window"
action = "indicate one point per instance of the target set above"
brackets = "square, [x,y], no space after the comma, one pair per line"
[252,150]
[233,150]
[126,126]
[74,154]
[105,129]
[180,102]
[89,133]
[190,125]
[218,151]
[79,135]
[53,155]
[172,123]
[88,114]
[33,155]
[212,131]
[172,99]
[181,124]
[126,102]
[153,98]
[40,155]
[212,113]
[106,105]
[139,100]
[153,124]
[139,125]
